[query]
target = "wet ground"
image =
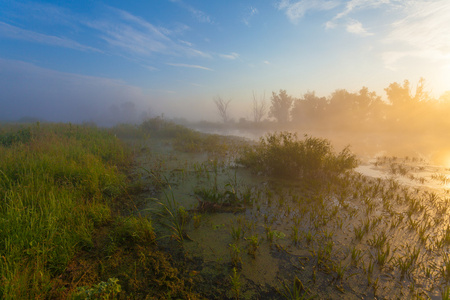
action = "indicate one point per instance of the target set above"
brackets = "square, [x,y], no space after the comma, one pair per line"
[381,230]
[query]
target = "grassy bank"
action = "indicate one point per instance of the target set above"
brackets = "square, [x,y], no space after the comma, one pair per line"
[66,230]
[56,182]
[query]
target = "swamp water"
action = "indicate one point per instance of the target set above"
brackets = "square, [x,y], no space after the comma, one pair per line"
[382,234]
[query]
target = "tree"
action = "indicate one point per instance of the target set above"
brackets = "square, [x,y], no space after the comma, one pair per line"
[222,108]
[309,109]
[281,106]
[259,108]
[399,95]
[409,110]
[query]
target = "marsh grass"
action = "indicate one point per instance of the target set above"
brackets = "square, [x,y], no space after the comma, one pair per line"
[235,280]
[347,225]
[284,155]
[294,291]
[56,182]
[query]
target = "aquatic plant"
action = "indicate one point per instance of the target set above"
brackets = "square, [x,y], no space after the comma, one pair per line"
[295,291]
[236,232]
[382,254]
[253,244]
[173,215]
[235,279]
[356,255]
[197,218]
[407,262]
[235,254]
[282,154]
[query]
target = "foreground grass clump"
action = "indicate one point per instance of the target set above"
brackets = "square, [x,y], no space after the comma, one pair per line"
[283,154]
[56,183]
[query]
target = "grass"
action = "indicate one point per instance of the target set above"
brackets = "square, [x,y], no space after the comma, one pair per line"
[56,182]
[235,280]
[284,155]
[68,227]
[295,291]
[62,228]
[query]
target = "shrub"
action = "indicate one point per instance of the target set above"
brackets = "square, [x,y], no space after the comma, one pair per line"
[284,155]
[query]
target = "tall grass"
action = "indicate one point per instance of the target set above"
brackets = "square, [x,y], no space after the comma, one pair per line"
[283,154]
[55,182]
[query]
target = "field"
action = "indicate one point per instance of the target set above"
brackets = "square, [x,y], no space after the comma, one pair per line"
[160,211]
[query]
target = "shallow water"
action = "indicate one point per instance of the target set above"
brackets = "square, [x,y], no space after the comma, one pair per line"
[308,229]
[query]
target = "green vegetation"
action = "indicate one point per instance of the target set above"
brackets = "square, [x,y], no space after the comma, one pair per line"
[85,217]
[55,182]
[283,154]
[63,188]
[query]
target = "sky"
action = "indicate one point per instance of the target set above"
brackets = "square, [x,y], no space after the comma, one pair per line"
[107,61]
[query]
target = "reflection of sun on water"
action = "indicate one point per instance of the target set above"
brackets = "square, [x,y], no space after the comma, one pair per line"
[446,162]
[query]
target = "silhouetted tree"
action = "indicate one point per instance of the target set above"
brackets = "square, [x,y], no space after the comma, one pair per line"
[308,110]
[399,95]
[372,109]
[409,111]
[280,106]
[259,108]
[222,108]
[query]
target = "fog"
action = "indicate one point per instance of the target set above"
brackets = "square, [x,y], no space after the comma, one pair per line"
[405,121]
[28,91]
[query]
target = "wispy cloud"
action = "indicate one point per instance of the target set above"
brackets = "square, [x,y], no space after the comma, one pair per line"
[297,9]
[185,43]
[13,32]
[249,13]
[422,32]
[347,16]
[189,66]
[357,28]
[136,36]
[196,13]
[232,56]
[354,5]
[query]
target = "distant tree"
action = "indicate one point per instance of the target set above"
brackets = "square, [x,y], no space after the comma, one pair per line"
[259,108]
[280,106]
[399,95]
[222,108]
[410,111]
[308,109]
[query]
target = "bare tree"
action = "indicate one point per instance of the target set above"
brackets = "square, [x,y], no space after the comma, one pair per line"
[259,108]
[222,108]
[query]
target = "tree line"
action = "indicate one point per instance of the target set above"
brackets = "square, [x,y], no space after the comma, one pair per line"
[408,109]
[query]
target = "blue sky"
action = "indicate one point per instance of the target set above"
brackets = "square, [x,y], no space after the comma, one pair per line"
[80,60]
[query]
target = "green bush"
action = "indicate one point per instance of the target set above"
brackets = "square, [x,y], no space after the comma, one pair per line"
[284,155]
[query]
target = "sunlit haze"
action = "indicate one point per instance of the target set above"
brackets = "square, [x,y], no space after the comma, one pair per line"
[82,60]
